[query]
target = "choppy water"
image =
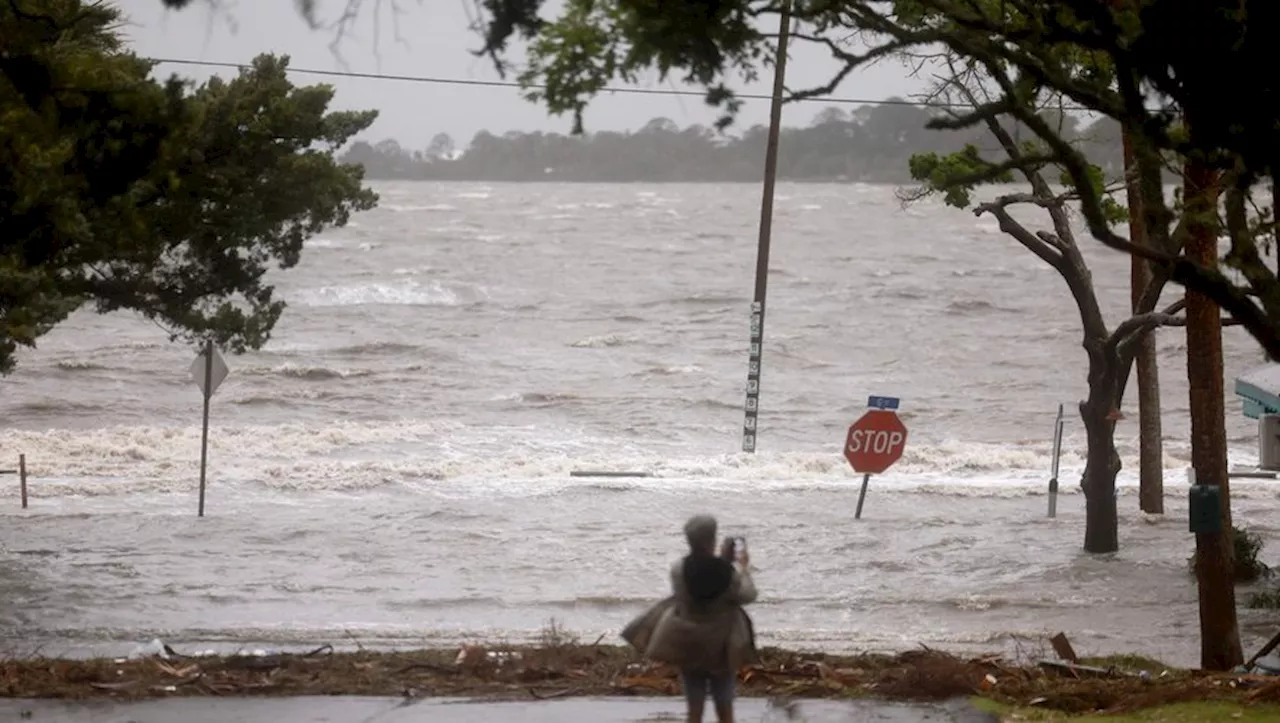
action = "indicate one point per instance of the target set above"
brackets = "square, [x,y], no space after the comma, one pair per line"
[395,463]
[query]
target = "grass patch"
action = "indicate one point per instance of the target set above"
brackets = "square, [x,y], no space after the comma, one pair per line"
[1176,713]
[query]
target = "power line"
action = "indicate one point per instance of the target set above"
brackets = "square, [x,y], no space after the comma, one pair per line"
[509,84]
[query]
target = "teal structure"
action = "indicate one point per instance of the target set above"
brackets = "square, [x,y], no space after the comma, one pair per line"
[1260,389]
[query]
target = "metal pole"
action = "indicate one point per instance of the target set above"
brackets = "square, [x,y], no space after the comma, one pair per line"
[1053,465]
[766,230]
[22,477]
[204,432]
[862,495]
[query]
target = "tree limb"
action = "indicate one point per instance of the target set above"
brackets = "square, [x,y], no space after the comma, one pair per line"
[1008,224]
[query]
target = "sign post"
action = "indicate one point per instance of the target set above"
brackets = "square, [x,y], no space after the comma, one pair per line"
[751,411]
[1053,466]
[208,370]
[875,442]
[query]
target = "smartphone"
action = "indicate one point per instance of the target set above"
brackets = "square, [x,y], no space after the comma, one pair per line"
[729,550]
[732,546]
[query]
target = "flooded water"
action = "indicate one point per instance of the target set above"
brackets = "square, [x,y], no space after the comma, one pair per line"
[394,467]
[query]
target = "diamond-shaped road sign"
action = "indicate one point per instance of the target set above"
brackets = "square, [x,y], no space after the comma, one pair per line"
[216,374]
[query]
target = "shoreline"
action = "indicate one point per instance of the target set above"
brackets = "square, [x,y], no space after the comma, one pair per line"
[561,669]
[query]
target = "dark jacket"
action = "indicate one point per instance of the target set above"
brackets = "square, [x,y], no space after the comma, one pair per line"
[713,635]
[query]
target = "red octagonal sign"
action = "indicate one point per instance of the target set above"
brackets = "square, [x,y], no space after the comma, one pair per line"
[875,441]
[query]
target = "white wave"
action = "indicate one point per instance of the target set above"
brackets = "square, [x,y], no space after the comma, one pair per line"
[411,208]
[409,293]
[75,365]
[601,341]
[304,371]
[672,369]
[323,243]
[512,461]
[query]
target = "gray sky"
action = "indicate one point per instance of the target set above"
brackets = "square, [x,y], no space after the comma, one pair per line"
[436,42]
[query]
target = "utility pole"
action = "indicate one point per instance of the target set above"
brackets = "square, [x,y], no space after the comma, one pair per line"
[1219,630]
[752,407]
[1150,433]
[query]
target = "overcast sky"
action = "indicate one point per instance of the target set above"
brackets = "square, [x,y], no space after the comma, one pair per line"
[437,43]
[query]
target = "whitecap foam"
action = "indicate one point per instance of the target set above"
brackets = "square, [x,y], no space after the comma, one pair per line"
[413,208]
[518,461]
[304,371]
[323,243]
[671,370]
[404,293]
[600,341]
[78,365]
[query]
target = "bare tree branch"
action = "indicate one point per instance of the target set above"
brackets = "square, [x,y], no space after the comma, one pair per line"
[1010,225]
[852,61]
[1122,343]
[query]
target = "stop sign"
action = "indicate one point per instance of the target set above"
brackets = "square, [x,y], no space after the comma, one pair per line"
[875,441]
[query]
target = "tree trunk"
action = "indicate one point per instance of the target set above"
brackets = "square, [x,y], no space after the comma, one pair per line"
[1275,221]
[1150,433]
[1102,462]
[1219,631]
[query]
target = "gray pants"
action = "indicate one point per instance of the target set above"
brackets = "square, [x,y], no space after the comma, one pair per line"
[697,684]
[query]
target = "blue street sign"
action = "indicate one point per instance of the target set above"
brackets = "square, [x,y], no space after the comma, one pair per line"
[874,402]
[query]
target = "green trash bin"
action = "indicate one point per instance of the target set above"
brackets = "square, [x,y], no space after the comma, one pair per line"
[1206,509]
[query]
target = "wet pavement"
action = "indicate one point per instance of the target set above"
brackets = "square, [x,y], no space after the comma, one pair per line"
[435,710]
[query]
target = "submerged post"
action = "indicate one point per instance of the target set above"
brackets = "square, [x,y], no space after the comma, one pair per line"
[207,371]
[22,478]
[204,430]
[1053,464]
[752,406]
[862,495]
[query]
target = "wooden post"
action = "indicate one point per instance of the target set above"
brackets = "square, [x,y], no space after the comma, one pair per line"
[204,432]
[1150,433]
[22,478]
[752,407]
[1219,630]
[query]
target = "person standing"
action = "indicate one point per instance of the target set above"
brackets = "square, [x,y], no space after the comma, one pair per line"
[703,628]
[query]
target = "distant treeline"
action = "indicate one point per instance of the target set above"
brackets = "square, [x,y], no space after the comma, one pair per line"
[869,144]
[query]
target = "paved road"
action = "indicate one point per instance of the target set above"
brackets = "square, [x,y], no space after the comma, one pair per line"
[383,710]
